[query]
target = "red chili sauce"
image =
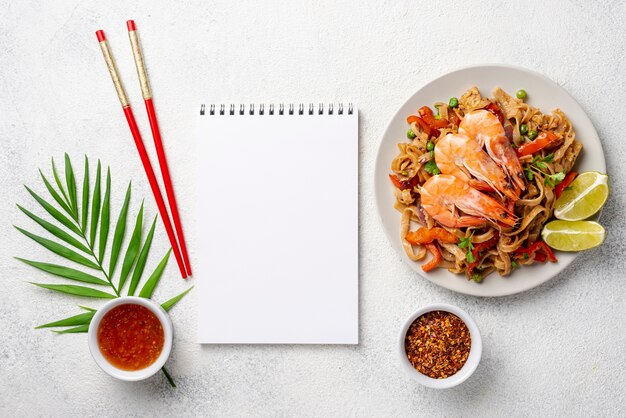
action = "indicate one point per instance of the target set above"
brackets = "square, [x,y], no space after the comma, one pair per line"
[130,337]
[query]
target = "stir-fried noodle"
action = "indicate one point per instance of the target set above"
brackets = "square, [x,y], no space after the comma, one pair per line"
[462,227]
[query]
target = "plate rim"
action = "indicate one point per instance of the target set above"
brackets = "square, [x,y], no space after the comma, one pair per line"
[470,291]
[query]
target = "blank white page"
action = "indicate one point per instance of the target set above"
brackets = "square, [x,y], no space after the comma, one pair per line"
[277,229]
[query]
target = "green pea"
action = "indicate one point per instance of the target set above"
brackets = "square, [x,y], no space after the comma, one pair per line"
[532,134]
[454,102]
[521,94]
[523,129]
[410,134]
[430,146]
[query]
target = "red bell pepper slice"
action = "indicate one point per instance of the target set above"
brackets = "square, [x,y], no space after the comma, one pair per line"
[495,109]
[540,257]
[426,236]
[434,250]
[420,122]
[427,114]
[403,184]
[569,178]
[477,253]
[543,140]
[546,252]
[454,118]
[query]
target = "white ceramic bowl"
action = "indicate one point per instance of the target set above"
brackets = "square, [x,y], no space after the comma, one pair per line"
[470,365]
[131,376]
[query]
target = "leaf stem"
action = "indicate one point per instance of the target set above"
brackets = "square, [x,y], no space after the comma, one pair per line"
[91,252]
[168,377]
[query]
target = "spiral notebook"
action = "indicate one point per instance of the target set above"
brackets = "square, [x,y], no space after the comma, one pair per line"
[277,224]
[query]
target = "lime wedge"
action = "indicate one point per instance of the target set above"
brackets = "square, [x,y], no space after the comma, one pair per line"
[583,198]
[573,235]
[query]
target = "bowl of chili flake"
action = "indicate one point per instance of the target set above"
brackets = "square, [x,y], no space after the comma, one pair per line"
[440,346]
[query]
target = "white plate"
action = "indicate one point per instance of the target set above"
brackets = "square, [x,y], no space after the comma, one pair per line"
[542,93]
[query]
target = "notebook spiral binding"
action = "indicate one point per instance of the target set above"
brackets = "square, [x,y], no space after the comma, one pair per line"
[221,109]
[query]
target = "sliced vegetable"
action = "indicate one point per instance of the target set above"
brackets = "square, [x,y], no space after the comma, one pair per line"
[569,178]
[434,250]
[543,140]
[403,184]
[454,118]
[416,119]
[540,257]
[427,236]
[495,109]
[539,247]
[427,115]
[477,255]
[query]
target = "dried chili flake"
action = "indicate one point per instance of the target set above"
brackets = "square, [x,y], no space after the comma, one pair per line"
[437,344]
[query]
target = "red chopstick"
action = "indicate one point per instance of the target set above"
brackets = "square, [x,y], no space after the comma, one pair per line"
[121,93]
[146,92]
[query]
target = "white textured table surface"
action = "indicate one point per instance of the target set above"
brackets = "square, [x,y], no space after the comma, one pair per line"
[556,350]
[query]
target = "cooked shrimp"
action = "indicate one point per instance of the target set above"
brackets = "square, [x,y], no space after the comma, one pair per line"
[461,156]
[486,129]
[441,195]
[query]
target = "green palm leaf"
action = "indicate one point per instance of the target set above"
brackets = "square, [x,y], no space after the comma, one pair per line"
[75,290]
[55,230]
[118,235]
[141,260]
[75,330]
[54,212]
[170,303]
[71,185]
[104,220]
[55,195]
[132,251]
[59,184]
[59,249]
[65,272]
[80,319]
[95,208]
[153,281]
[83,224]
[92,217]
